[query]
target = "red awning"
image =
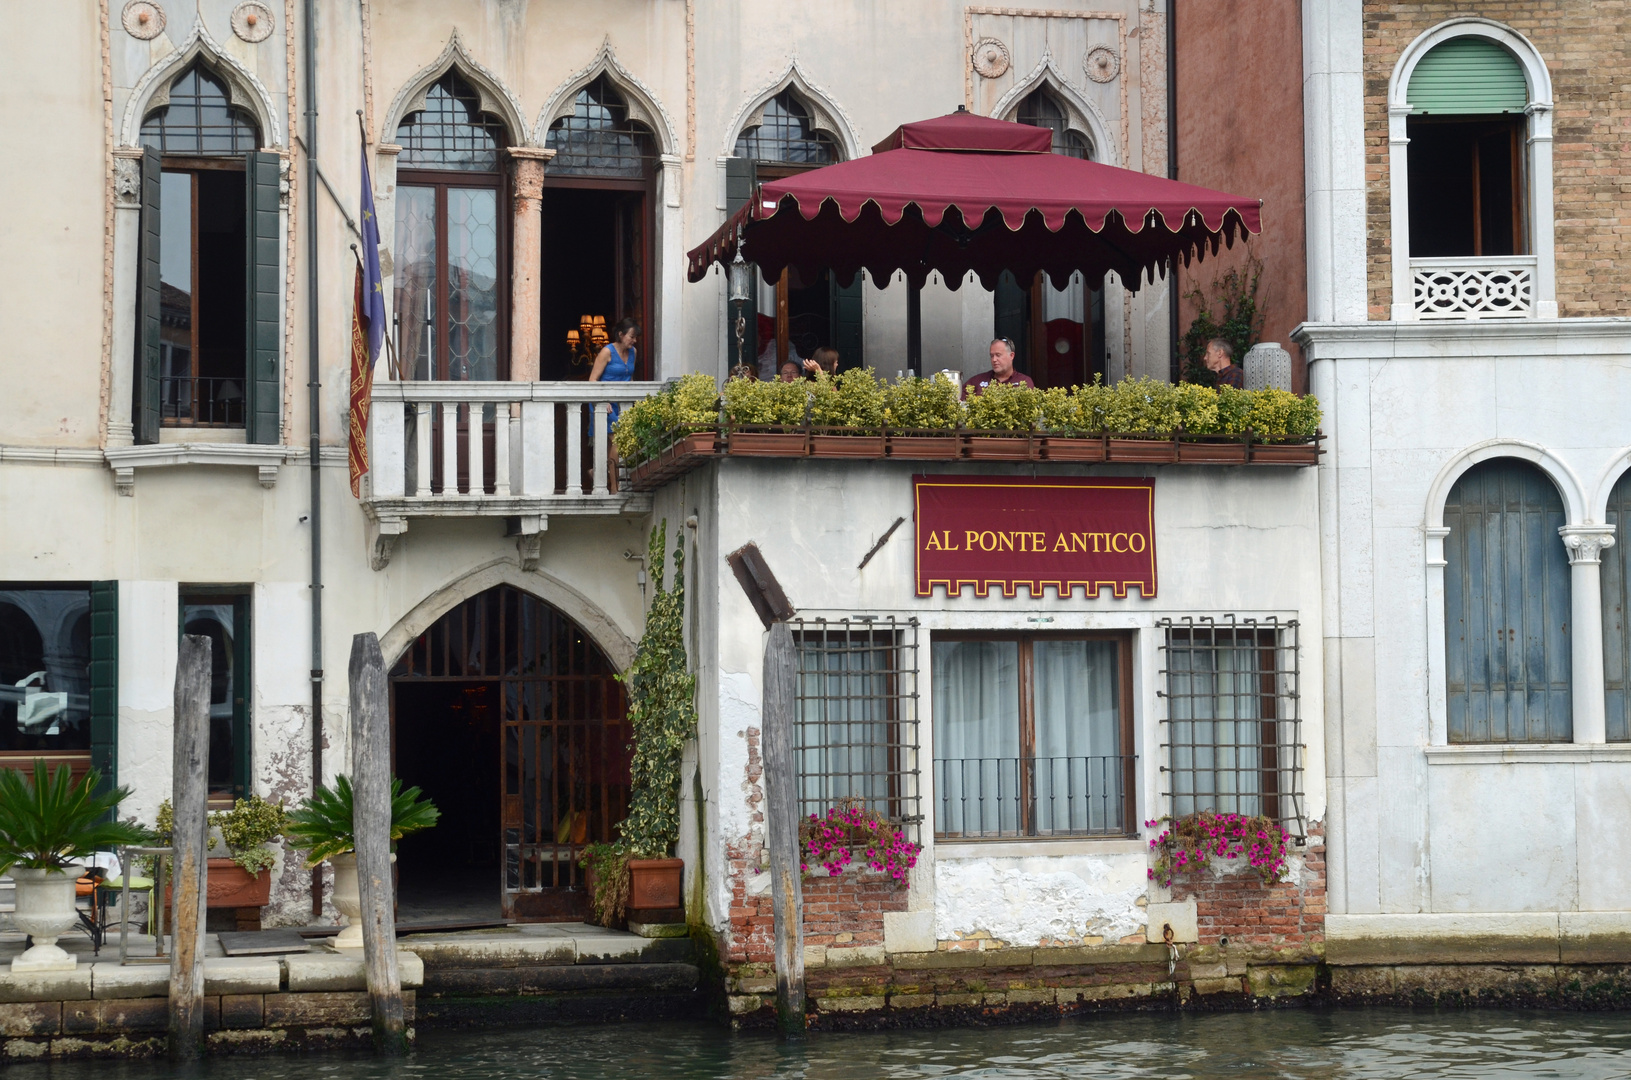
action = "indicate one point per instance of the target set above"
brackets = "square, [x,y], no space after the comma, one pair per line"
[965,193]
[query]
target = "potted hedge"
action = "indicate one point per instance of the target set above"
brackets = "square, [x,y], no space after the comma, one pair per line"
[47,824]
[322,826]
[766,419]
[677,421]
[921,418]
[662,719]
[236,880]
[1001,419]
[846,415]
[1072,422]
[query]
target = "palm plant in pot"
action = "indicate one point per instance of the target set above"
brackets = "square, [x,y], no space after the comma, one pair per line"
[322,826]
[47,824]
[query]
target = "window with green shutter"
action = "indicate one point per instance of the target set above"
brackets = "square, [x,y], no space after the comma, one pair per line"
[1468,76]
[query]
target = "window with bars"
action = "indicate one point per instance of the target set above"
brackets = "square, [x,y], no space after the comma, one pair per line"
[451,131]
[785,136]
[597,138]
[1233,736]
[855,720]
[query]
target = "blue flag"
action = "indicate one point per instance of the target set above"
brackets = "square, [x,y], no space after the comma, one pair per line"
[373,288]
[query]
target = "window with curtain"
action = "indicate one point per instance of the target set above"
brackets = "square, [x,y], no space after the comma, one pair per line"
[202,335]
[1233,730]
[1040,109]
[452,238]
[1506,607]
[1032,736]
[855,721]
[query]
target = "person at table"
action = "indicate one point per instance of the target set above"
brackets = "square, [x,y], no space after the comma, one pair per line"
[769,369]
[822,359]
[616,361]
[790,372]
[1219,359]
[1002,370]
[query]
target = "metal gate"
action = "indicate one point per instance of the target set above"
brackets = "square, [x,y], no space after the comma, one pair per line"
[563,768]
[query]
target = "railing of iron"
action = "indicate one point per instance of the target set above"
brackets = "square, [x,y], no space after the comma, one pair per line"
[201,401]
[855,718]
[1233,729]
[998,797]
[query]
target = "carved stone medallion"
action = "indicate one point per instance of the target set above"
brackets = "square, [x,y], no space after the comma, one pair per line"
[990,58]
[1102,63]
[252,21]
[143,19]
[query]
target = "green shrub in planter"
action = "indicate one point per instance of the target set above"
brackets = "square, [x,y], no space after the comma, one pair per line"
[1234,410]
[1142,407]
[854,399]
[1197,408]
[1304,418]
[51,822]
[1057,411]
[321,825]
[914,403]
[248,830]
[1004,407]
[647,427]
[694,403]
[1092,407]
[1271,413]
[751,403]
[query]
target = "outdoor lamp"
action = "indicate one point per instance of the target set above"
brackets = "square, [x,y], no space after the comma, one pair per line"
[739,280]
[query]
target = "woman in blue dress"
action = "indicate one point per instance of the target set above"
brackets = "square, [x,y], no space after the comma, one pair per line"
[616,361]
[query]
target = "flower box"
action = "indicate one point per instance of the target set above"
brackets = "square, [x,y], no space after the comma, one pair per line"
[656,890]
[768,443]
[1150,451]
[1211,452]
[1064,448]
[925,446]
[1004,446]
[847,443]
[679,458]
[1285,453]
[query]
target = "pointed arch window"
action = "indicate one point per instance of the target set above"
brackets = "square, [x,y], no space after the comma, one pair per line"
[597,138]
[1039,109]
[786,136]
[452,238]
[207,303]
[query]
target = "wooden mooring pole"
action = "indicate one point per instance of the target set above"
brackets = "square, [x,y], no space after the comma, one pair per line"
[781,813]
[189,800]
[371,820]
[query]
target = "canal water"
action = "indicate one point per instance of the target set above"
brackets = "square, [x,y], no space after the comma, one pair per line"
[1364,1044]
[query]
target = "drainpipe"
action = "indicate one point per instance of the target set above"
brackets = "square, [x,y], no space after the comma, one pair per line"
[315,406]
[1172,174]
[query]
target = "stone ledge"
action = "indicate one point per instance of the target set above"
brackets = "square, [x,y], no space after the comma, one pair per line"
[319,972]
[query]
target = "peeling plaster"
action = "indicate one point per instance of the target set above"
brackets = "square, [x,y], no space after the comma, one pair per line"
[1068,900]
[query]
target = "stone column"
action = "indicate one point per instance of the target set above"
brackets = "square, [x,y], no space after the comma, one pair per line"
[1586,544]
[127,236]
[527,261]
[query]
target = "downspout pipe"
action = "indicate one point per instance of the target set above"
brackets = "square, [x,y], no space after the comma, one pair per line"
[314,387]
[1176,362]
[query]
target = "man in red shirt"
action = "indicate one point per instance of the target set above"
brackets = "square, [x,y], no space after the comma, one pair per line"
[1002,369]
[1219,359]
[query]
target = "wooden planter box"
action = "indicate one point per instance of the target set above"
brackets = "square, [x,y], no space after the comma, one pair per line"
[1061,448]
[228,885]
[656,890]
[1285,453]
[925,447]
[1008,446]
[1150,451]
[680,458]
[839,443]
[768,443]
[1210,452]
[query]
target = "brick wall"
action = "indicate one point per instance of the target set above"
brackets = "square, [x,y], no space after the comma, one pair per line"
[1587,48]
[1239,907]
[841,912]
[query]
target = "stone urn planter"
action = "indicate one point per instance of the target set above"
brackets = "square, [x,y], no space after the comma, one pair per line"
[348,899]
[45,911]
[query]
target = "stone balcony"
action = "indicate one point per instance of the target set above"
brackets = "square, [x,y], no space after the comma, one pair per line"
[514,450]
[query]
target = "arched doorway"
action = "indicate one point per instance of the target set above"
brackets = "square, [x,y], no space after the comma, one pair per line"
[511,718]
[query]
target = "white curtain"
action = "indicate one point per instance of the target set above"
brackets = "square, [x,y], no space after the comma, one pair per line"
[1077,777]
[976,736]
[1215,712]
[843,734]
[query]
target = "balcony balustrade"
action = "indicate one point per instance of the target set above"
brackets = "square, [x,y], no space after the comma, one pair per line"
[513,450]
[1481,287]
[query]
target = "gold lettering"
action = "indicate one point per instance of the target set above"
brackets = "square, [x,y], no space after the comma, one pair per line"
[1079,541]
[1095,537]
[1142,543]
[1005,541]
[947,544]
[971,538]
[1061,543]
[1039,541]
[1113,547]
[934,543]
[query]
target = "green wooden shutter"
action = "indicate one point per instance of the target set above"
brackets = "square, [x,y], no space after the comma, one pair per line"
[105,681]
[1468,76]
[847,305]
[1013,313]
[242,682]
[262,325]
[145,419]
[739,179]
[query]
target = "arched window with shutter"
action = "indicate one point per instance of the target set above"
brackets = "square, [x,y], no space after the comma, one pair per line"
[1506,607]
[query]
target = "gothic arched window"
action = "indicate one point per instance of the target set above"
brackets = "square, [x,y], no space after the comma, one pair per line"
[199,120]
[1039,109]
[785,136]
[597,138]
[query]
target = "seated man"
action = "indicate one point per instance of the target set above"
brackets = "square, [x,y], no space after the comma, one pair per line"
[1002,370]
[1219,360]
[790,372]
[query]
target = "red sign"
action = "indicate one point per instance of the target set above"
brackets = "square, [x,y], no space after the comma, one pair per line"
[1006,532]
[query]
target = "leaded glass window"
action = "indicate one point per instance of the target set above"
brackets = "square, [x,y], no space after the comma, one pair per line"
[451,131]
[785,135]
[199,120]
[1040,109]
[597,138]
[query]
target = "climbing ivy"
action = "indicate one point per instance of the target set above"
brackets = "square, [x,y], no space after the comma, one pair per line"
[662,711]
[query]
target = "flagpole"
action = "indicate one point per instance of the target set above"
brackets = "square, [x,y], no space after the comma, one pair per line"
[392,366]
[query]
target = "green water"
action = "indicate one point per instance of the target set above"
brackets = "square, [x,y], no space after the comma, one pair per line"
[1356,1043]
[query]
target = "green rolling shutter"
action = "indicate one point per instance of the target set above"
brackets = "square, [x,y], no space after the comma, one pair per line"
[1468,76]
[739,176]
[262,325]
[105,681]
[146,406]
[847,304]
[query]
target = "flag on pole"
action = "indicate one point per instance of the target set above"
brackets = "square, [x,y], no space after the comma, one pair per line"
[367,330]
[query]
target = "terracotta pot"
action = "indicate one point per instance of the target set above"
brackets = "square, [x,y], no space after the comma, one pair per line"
[1008,446]
[656,883]
[924,447]
[847,446]
[1158,451]
[767,443]
[1208,452]
[1285,454]
[228,885]
[698,442]
[1072,449]
[45,911]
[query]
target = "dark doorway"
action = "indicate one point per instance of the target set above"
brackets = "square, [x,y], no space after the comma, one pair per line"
[1466,189]
[447,743]
[514,723]
[594,264]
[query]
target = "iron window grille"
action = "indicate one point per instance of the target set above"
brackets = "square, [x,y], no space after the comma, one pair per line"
[199,120]
[597,138]
[855,717]
[786,136]
[451,131]
[1234,724]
